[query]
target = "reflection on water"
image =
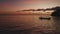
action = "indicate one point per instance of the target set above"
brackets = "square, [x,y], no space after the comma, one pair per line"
[28,24]
[57,24]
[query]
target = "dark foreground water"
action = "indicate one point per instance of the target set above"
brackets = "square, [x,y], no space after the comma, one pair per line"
[29,24]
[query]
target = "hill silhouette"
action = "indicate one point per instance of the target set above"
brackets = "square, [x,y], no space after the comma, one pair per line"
[56,11]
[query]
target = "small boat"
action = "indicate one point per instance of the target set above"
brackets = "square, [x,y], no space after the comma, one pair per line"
[45,18]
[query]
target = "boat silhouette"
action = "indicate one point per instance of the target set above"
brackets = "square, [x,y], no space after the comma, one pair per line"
[47,18]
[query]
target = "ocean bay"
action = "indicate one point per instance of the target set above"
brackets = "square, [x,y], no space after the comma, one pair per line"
[26,22]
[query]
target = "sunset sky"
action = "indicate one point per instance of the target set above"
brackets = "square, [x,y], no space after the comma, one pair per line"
[14,5]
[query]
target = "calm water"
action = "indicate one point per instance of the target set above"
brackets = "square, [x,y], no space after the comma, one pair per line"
[28,24]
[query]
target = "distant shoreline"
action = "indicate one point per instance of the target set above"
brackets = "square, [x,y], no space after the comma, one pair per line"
[22,14]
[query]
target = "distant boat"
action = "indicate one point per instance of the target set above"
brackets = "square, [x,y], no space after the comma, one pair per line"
[47,18]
